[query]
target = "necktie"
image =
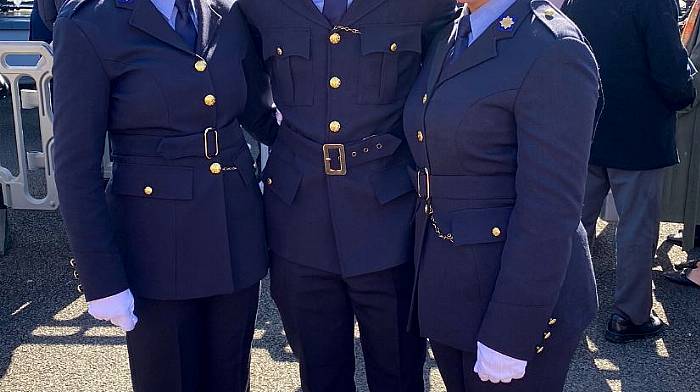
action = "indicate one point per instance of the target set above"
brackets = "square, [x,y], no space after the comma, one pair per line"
[334,10]
[462,40]
[184,25]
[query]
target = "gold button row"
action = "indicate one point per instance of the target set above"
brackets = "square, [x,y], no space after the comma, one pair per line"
[210,100]
[334,126]
[200,66]
[334,38]
[335,82]
[420,137]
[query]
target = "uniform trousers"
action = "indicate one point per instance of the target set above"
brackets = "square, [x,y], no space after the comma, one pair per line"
[200,345]
[546,372]
[637,197]
[318,310]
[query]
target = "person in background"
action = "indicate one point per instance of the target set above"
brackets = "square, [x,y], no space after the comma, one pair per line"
[38,30]
[174,250]
[501,138]
[646,80]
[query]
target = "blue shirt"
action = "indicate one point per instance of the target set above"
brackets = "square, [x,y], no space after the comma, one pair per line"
[485,16]
[169,11]
[319,4]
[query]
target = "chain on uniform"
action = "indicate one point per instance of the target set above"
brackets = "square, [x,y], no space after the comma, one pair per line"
[347,29]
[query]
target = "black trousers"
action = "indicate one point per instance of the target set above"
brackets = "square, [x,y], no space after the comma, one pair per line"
[545,373]
[318,310]
[200,345]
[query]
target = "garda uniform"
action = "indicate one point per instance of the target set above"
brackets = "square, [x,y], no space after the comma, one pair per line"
[181,223]
[501,137]
[338,200]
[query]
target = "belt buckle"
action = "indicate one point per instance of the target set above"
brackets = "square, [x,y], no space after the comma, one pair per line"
[343,170]
[421,173]
[206,142]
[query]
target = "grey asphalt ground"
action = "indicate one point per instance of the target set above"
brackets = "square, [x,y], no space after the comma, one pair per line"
[49,343]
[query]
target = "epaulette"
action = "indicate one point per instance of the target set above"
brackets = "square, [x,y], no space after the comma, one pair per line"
[71,7]
[555,20]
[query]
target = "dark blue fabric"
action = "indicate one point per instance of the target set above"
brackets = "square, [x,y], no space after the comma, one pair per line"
[334,10]
[463,31]
[361,222]
[119,66]
[643,66]
[509,157]
[184,25]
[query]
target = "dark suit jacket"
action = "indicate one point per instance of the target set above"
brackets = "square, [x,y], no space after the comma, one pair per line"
[342,86]
[645,79]
[168,227]
[505,133]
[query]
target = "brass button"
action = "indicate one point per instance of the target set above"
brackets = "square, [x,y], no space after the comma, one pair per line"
[200,66]
[280,51]
[547,335]
[209,100]
[549,13]
[334,38]
[419,136]
[215,168]
[268,181]
[394,47]
[496,231]
[552,321]
[148,191]
[425,99]
[335,82]
[334,126]
[540,349]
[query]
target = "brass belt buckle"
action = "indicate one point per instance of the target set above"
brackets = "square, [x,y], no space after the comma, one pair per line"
[206,142]
[421,173]
[343,170]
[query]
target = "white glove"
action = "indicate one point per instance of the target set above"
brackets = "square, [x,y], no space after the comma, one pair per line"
[117,309]
[496,367]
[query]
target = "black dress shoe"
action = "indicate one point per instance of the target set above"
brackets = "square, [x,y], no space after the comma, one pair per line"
[623,330]
[681,277]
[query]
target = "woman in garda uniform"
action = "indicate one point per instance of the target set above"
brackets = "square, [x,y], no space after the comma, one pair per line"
[174,250]
[500,124]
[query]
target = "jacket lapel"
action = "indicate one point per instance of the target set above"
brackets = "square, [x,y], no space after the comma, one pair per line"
[486,46]
[146,18]
[307,9]
[209,19]
[444,44]
[360,8]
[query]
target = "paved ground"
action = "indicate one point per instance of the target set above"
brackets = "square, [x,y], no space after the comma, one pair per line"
[49,343]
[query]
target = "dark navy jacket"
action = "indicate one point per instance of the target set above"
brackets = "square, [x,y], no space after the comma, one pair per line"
[173,223]
[645,79]
[505,133]
[342,85]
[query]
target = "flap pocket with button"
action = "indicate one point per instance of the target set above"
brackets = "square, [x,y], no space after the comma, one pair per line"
[156,182]
[480,226]
[282,177]
[287,52]
[391,184]
[390,61]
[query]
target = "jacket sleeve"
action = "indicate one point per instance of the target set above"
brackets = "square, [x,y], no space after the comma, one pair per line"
[668,60]
[81,110]
[259,115]
[554,114]
[442,13]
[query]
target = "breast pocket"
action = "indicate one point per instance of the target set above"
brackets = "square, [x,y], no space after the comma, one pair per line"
[287,56]
[390,62]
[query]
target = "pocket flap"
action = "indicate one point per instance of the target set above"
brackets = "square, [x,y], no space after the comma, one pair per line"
[391,38]
[283,43]
[154,182]
[480,226]
[391,184]
[282,178]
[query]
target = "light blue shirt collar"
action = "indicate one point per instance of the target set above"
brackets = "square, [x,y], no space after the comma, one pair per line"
[319,4]
[169,12]
[486,15]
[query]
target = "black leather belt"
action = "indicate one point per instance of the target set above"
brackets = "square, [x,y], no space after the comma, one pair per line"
[337,158]
[150,143]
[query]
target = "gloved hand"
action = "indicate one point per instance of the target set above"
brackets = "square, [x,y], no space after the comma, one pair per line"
[117,309]
[495,367]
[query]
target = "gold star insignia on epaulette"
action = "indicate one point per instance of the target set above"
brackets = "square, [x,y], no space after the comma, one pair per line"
[507,23]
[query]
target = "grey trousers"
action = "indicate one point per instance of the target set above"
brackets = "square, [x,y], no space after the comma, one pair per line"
[637,197]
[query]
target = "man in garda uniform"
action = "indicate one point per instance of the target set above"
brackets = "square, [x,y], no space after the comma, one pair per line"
[338,197]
